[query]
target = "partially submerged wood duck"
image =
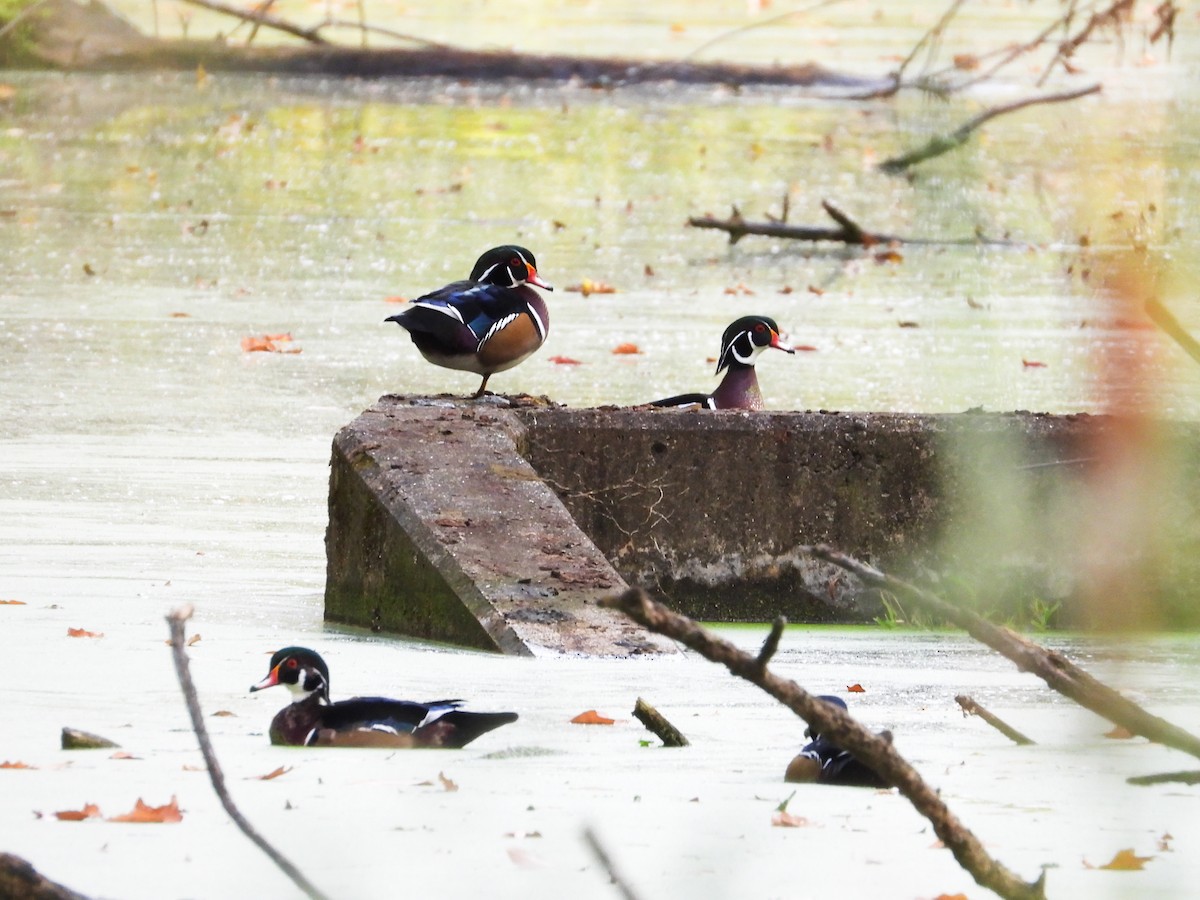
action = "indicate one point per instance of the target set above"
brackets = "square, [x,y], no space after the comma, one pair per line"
[312,720]
[741,345]
[486,324]
[825,762]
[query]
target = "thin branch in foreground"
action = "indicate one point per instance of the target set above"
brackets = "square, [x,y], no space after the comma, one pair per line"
[944,143]
[839,727]
[1164,319]
[602,857]
[1192,777]
[1052,667]
[971,708]
[262,18]
[176,620]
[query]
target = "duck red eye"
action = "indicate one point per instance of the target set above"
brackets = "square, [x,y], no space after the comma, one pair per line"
[291,664]
[760,328]
[516,261]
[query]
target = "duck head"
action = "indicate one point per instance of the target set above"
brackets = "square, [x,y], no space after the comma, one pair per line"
[509,266]
[299,669]
[746,338]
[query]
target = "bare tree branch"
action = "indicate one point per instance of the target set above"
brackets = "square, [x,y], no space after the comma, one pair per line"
[971,708]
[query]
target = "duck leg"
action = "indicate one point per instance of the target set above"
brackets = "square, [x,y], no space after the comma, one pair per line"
[482,388]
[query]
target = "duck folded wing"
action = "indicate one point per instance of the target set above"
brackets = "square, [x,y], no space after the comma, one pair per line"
[462,314]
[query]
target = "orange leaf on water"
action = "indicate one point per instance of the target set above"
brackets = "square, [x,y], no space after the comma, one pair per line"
[784,819]
[81,632]
[143,813]
[395,299]
[123,754]
[12,603]
[856,688]
[89,811]
[950,897]
[1127,861]
[15,765]
[565,361]
[268,343]
[591,717]
[449,785]
[1032,364]
[1119,733]
[626,349]
[282,770]
[588,287]
[804,348]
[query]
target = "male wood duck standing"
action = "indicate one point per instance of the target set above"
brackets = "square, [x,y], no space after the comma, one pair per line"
[489,323]
[824,761]
[741,344]
[312,720]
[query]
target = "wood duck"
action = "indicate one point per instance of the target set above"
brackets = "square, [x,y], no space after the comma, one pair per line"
[489,323]
[825,762]
[741,344]
[312,720]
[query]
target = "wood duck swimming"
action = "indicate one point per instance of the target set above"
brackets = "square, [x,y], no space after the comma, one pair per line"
[741,344]
[312,720]
[489,323]
[825,762]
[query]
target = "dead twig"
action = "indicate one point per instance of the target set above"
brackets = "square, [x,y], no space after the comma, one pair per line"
[1052,667]
[658,725]
[602,857]
[1163,318]
[971,708]
[944,143]
[932,37]
[261,17]
[1192,777]
[836,724]
[177,620]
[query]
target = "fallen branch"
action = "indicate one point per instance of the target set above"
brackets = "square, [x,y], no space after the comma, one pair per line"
[1192,777]
[1163,318]
[838,726]
[1052,667]
[944,143]
[971,708]
[176,621]
[848,231]
[262,18]
[658,725]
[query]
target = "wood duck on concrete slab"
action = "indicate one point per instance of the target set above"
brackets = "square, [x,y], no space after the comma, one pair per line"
[741,345]
[488,323]
[312,720]
[825,762]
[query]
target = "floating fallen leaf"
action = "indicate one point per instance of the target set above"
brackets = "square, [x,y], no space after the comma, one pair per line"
[81,632]
[784,819]
[565,361]
[1127,861]
[889,256]
[142,813]
[282,770]
[739,289]
[1032,364]
[950,897]
[180,315]
[15,765]
[967,62]
[224,712]
[588,287]
[908,323]
[395,299]
[269,343]
[449,785]
[12,603]
[856,688]
[804,348]
[591,717]
[193,640]
[123,754]
[1164,842]
[626,349]
[88,269]
[813,289]
[1119,733]
[89,811]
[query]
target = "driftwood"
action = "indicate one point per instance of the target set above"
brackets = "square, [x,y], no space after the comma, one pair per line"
[177,621]
[848,232]
[658,724]
[838,725]
[944,143]
[20,879]
[971,708]
[1052,667]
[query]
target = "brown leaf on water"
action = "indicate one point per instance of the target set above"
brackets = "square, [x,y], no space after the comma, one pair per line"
[282,770]
[89,811]
[123,754]
[626,350]
[1032,364]
[15,765]
[12,603]
[856,688]
[813,289]
[889,256]
[81,632]
[591,717]
[168,812]
[784,819]
[395,299]
[269,343]
[449,785]
[1126,861]
[221,713]
[950,897]
[967,62]
[803,348]
[1164,842]
[1119,733]
[587,287]
[565,361]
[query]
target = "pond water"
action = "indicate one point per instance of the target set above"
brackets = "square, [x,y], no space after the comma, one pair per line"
[149,223]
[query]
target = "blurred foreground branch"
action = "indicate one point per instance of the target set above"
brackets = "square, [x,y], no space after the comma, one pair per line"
[1052,667]
[971,708]
[839,727]
[176,620]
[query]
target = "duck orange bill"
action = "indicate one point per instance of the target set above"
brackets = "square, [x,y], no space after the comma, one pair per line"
[535,278]
[779,343]
[271,680]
